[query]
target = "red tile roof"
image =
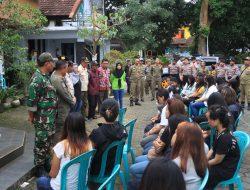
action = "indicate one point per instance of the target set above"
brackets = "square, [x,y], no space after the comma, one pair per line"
[57,7]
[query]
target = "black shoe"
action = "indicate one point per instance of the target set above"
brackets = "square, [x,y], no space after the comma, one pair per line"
[152,99]
[40,171]
[138,103]
[131,103]
[142,100]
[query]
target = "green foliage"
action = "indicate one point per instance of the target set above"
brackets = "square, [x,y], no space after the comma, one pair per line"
[153,23]
[229,25]
[21,19]
[114,55]
[101,29]
[204,31]
[164,60]
[24,72]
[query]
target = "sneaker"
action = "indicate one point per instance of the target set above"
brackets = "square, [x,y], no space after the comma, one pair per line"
[152,99]
[131,103]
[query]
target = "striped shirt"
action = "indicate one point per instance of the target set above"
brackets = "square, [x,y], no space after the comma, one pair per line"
[173,69]
[221,71]
[233,71]
[187,69]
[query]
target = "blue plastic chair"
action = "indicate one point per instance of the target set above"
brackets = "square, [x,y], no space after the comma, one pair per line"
[206,127]
[204,181]
[243,140]
[110,182]
[102,177]
[236,124]
[202,110]
[128,148]
[84,160]
[121,115]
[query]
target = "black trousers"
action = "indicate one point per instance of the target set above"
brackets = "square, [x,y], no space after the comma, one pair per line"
[93,100]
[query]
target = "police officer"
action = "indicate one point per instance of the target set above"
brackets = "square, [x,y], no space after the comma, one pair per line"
[174,70]
[143,78]
[156,71]
[148,81]
[245,83]
[135,77]
[186,71]
[221,69]
[42,108]
[232,70]
[127,67]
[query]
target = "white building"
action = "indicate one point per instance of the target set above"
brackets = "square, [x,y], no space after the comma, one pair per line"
[60,37]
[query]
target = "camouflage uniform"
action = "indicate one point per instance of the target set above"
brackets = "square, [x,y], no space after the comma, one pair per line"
[148,81]
[42,101]
[142,81]
[135,76]
[156,71]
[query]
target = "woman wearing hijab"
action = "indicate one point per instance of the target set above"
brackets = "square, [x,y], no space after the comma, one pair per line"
[118,82]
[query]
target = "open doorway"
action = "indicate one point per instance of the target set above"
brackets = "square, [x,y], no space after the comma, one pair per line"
[68,50]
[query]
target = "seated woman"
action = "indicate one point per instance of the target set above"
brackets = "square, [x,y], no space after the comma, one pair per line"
[225,154]
[202,102]
[231,99]
[175,106]
[188,153]
[107,132]
[151,133]
[162,174]
[189,87]
[74,142]
[214,99]
[161,147]
[199,90]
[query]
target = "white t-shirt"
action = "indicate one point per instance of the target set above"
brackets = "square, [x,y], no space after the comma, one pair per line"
[164,120]
[72,173]
[208,92]
[193,181]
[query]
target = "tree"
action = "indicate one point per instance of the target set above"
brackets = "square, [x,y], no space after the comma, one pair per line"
[225,23]
[16,20]
[101,28]
[153,23]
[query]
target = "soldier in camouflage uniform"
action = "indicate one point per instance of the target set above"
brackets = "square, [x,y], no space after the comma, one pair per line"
[245,83]
[148,81]
[42,108]
[156,71]
[135,77]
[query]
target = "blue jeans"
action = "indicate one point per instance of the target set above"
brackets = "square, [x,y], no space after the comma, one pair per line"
[43,183]
[138,168]
[118,94]
[78,106]
[195,107]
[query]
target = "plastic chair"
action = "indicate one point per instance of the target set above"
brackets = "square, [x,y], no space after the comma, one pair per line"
[237,121]
[84,160]
[243,140]
[110,182]
[121,115]
[102,177]
[206,127]
[204,181]
[128,148]
[202,110]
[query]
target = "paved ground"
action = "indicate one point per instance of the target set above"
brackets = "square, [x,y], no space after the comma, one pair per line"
[142,114]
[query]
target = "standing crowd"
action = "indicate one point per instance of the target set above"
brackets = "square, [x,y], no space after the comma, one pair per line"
[63,95]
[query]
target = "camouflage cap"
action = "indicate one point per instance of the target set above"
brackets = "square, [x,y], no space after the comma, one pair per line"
[44,57]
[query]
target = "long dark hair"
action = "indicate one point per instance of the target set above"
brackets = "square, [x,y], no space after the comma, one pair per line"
[200,82]
[190,142]
[162,174]
[74,132]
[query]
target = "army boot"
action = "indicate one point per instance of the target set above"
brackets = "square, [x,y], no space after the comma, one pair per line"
[137,103]
[131,102]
